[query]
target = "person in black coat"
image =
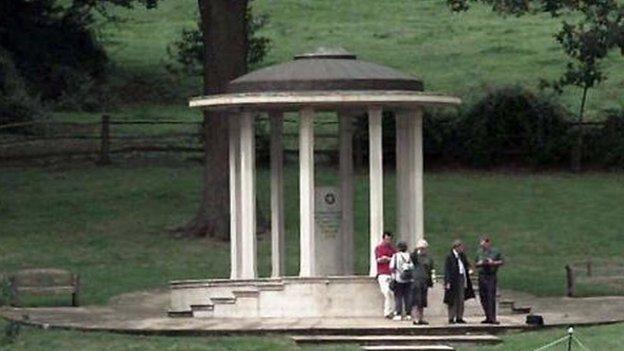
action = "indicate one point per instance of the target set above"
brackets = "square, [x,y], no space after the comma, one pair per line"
[457,285]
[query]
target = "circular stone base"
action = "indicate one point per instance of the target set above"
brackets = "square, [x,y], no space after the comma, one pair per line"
[290,297]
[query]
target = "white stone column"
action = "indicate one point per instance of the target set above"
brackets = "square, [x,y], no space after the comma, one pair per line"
[416,174]
[277,195]
[376,183]
[307,239]
[235,203]
[345,131]
[248,196]
[403,159]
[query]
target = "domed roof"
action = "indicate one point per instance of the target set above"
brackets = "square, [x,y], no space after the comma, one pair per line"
[325,69]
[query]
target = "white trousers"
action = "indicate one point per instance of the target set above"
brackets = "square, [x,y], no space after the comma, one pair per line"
[384,286]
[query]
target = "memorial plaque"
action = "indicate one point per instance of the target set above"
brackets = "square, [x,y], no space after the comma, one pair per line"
[327,218]
[327,211]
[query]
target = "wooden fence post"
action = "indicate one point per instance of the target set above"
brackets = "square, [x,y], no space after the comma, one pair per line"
[15,298]
[76,293]
[570,281]
[105,141]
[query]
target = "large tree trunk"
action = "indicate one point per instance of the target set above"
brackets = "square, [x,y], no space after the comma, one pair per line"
[224,28]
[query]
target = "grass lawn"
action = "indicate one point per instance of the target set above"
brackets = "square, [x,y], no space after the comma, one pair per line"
[110,224]
[453,53]
[594,338]
[31,339]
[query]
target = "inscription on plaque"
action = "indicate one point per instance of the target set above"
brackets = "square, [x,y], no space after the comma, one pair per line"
[327,211]
[327,218]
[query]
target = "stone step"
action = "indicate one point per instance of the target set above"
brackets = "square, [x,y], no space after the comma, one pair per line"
[271,287]
[521,309]
[208,310]
[180,314]
[202,311]
[407,329]
[246,293]
[513,307]
[408,348]
[208,307]
[405,340]
[506,303]
[223,300]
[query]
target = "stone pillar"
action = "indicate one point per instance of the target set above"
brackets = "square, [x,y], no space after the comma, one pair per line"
[345,126]
[248,196]
[376,183]
[403,159]
[416,189]
[235,203]
[307,239]
[277,195]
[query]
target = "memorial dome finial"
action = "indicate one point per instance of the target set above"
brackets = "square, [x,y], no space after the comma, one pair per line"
[323,52]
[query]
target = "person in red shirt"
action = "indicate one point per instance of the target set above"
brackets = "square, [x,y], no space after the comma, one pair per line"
[383,254]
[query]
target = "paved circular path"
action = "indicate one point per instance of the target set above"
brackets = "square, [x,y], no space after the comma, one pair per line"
[145,313]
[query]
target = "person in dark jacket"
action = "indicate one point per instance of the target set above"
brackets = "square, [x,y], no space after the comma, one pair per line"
[457,285]
[423,280]
[489,259]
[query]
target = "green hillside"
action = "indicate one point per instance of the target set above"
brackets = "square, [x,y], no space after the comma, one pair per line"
[453,53]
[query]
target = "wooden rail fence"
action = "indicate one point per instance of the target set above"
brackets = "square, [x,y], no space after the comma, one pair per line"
[25,133]
[99,137]
[103,141]
[607,274]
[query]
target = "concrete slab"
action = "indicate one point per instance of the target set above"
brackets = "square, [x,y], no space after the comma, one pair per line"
[396,339]
[408,348]
[146,313]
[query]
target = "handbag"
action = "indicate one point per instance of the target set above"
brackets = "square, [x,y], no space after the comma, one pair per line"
[392,284]
[535,319]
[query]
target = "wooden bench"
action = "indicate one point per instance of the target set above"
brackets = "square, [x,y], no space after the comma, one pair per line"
[44,282]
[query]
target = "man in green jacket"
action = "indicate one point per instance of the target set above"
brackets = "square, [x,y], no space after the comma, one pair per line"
[488,260]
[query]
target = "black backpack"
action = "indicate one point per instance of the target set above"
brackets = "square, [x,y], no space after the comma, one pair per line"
[406,273]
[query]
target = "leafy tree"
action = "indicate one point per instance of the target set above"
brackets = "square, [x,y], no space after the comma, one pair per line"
[53,41]
[16,104]
[598,30]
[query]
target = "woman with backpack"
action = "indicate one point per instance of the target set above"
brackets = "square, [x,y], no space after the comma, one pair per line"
[403,271]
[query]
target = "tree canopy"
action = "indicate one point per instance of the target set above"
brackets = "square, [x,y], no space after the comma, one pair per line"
[52,43]
[589,32]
